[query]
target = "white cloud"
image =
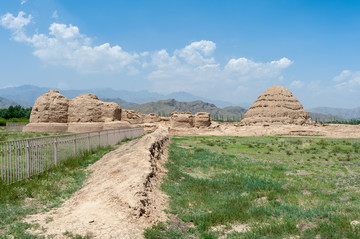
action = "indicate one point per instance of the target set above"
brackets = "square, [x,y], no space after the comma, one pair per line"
[192,68]
[342,76]
[196,53]
[245,68]
[349,80]
[23,2]
[11,22]
[55,14]
[16,24]
[64,45]
[297,84]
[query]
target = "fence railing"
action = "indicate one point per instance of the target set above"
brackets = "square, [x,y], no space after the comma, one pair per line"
[15,126]
[20,159]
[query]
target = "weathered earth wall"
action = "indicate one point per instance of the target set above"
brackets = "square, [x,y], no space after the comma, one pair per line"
[53,112]
[120,198]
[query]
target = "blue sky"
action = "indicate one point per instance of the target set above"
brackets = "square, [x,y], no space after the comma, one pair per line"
[227,50]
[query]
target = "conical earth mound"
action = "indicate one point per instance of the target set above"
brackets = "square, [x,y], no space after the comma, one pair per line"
[277,105]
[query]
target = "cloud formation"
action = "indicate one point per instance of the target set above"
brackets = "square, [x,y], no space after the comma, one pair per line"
[55,14]
[65,46]
[16,24]
[349,80]
[188,68]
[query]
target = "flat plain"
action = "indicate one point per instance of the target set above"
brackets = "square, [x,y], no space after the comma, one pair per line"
[261,187]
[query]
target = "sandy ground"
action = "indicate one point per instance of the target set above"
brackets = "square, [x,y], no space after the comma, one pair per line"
[119,199]
[235,129]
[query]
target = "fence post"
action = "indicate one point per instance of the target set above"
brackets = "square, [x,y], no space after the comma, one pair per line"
[99,139]
[74,145]
[107,138]
[28,158]
[55,151]
[88,141]
[1,162]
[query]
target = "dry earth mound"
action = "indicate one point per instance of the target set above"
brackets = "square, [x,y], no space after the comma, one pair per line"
[202,119]
[182,120]
[51,107]
[88,108]
[277,105]
[119,199]
[53,112]
[134,117]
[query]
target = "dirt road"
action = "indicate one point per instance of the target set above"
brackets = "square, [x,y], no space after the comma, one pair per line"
[119,199]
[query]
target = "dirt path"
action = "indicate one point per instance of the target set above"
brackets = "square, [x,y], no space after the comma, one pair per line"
[119,198]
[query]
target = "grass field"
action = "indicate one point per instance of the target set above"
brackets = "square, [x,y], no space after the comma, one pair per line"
[261,187]
[7,136]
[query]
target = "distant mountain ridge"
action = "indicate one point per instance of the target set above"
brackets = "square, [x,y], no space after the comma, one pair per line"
[121,102]
[318,117]
[340,112]
[5,103]
[26,95]
[166,107]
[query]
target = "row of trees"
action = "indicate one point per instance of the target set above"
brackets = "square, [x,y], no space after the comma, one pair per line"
[351,121]
[15,112]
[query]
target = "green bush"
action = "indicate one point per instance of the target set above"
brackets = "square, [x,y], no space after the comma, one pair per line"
[3,121]
[15,112]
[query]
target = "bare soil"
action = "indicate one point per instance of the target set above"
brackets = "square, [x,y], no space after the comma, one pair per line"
[119,199]
[235,129]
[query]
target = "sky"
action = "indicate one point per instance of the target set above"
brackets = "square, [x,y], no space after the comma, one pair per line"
[229,50]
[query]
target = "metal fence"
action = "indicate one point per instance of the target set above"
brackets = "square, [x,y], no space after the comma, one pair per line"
[15,126]
[20,159]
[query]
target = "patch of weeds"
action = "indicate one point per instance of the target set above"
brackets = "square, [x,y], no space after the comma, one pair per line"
[77,236]
[49,219]
[336,149]
[277,196]
[42,192]
[160,230]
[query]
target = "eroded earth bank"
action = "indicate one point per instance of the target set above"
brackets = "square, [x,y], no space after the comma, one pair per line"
[120,198]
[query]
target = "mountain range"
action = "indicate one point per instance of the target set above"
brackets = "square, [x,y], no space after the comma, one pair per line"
[26,95]
[147,102]
[344,113]
[166,107]
[5,103]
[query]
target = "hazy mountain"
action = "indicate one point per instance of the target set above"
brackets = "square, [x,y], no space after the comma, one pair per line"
[124,104]
[324,117]
[166,107]
[187,97]
[5,103]
[343,113]
[26,95]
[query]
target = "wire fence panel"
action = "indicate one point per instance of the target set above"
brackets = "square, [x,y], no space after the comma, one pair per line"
[20,159]
[15,126]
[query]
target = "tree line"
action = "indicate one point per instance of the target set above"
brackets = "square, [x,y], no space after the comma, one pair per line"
[15,112]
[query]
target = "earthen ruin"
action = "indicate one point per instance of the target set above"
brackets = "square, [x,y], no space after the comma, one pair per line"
[53,112]
[277,105]
[275,112]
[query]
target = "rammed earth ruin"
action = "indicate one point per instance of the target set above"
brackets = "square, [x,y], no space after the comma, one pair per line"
[276,111]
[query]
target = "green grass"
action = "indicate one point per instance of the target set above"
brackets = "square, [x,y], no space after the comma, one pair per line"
[43,192]
[8,136]
[274,187]
[3,121]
